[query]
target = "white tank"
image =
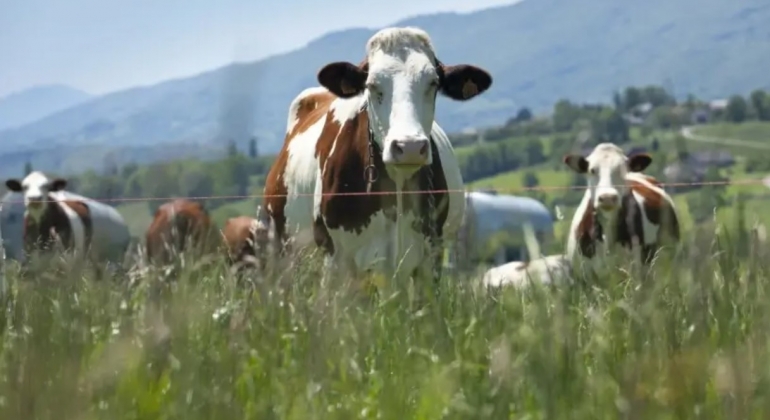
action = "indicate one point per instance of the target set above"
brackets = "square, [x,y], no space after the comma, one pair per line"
[488,214]
[110,232]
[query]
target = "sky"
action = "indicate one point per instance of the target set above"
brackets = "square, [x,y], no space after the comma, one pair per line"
[101,46]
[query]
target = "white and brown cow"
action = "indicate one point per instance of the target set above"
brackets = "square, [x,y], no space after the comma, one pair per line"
[378,114]
[48,217]
[621,205]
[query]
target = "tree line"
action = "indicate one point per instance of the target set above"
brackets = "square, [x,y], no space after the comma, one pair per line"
[514,145]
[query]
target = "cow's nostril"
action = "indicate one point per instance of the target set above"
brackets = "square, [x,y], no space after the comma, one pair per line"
[424,149]
[397,150]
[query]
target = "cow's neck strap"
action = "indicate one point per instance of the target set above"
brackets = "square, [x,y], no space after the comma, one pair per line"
[370,171]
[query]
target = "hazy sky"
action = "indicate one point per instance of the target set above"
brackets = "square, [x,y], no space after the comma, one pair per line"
[106,45]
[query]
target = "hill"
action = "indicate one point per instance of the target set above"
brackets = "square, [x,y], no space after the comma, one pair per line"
[539,51]
[32,104]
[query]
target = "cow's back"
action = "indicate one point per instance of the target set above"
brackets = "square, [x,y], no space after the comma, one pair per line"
[110,235]
[175,224]
[454,181]
[291,182]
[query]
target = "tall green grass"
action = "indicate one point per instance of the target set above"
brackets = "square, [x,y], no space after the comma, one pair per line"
[689,340]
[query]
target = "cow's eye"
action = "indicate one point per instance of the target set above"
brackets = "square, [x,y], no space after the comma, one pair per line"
[593,171]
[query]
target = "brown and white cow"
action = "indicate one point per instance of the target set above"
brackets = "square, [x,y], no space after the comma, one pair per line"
[50,217]
[246,241]
[378,114]
[177,226]
[621,205]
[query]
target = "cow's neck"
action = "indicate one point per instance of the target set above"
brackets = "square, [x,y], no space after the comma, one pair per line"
[607,222]
[39,228]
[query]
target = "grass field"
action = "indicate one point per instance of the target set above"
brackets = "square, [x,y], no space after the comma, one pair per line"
[691,341]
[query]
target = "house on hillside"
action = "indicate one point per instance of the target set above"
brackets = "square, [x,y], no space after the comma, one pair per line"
[718,158]
[718,104]
[700,116]
[683,173]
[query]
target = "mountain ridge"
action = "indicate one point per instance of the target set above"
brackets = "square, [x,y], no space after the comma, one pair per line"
[28,105]
[538,51]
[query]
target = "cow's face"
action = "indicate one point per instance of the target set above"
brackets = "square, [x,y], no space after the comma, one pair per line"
[401,77]
[606,168]
[35,188]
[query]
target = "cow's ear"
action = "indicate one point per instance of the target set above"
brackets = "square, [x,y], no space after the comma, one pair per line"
[58,184]
[577,163]
[343,79]
[463,82]
[639,162]
[13,184]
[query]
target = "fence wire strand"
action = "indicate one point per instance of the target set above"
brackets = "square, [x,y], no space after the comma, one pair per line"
[539,188]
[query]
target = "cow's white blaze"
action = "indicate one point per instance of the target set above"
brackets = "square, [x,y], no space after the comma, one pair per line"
[402,84]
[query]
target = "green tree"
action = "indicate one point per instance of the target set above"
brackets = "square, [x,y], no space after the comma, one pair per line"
[760,102]
[530,180]
[615,126]
[617,101]
[564,115]
[680,145]
[657,96]
[737,109]
[534,152]
[523,115]
[232,148]
[253,148]
[631,98]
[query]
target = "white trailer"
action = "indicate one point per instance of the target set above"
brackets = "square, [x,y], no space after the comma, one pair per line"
[489,215]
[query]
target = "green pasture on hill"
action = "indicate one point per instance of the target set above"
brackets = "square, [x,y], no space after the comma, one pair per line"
[692,339]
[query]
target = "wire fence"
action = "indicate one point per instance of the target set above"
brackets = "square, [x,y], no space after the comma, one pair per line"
[539,188]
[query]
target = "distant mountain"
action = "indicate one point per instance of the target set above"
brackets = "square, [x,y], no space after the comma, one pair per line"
[538,52]
[32,104]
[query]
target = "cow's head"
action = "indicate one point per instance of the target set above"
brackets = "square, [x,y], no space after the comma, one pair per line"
[606,167]
[401,77]
[35,188]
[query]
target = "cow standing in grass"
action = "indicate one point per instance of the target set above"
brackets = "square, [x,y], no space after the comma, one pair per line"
[620,206]
[180,225]
[79,224]
[370,129]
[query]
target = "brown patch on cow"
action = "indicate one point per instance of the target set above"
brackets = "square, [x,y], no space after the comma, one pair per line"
[659,211]
[588,232]
[652,180]
[55,224]
[344,173]
[177,225]
[310,109]
[243,239]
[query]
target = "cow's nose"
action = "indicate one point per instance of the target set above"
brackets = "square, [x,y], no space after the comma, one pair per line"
[608,201]
[409,152]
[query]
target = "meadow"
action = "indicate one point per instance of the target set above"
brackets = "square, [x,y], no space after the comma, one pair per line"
[689,339]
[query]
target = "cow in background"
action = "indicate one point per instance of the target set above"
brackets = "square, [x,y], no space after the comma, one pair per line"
[180,225]
[246,241]
[79,224]
[620,206]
